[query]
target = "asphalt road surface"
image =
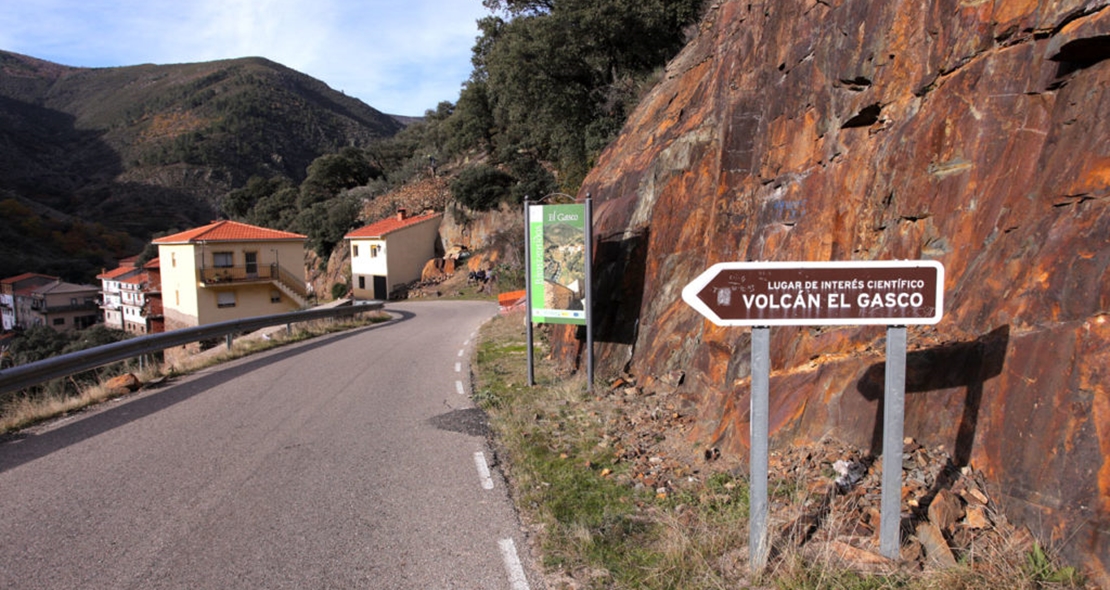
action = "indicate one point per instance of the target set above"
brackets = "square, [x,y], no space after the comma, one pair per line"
[354,460]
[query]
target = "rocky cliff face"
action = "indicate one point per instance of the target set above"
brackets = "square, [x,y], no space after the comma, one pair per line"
[976,133]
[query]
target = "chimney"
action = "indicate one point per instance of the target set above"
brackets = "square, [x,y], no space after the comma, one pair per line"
[401,213]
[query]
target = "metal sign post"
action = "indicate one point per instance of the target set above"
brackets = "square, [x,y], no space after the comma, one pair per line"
[589,299]
[528,296]
[894,417]
[758,548]
[763,294]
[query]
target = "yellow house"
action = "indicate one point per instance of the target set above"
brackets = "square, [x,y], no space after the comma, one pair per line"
[228,270]
[391,252]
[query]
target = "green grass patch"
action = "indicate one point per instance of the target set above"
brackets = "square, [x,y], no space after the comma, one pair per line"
[599,526]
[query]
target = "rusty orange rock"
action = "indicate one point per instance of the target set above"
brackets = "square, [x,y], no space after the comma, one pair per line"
[973,133]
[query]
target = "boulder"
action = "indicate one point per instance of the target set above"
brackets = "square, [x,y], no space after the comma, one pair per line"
[123,384]
[437,269]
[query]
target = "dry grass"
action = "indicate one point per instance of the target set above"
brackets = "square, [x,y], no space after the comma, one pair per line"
[596,525]
[24,410]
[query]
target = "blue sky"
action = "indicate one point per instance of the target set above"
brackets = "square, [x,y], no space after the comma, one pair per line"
[401,57]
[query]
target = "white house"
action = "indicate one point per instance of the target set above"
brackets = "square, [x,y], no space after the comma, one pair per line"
[391,252]
[111,300]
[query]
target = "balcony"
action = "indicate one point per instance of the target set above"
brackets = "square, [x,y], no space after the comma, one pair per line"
[43,308]
[291,284]
[237,274]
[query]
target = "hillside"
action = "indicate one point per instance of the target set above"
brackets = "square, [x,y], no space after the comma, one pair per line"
[972,133]
[146,148]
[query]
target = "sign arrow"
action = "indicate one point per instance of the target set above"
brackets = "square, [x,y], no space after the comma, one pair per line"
[898,292]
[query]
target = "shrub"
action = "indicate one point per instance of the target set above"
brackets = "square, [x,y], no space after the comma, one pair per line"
[481,187]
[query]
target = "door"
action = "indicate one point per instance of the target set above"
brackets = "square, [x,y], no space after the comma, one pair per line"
[252,264]
[379,288]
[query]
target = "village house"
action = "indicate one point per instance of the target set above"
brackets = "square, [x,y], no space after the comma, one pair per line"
[228,270]
[111,302]
[60,305]
[18,284]
[128,295]
[151,301]
[391,252]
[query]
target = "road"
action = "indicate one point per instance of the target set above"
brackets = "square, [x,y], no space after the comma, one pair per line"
[354,460]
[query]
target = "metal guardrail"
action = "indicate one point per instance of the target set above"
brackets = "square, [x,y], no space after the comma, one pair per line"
[22,376]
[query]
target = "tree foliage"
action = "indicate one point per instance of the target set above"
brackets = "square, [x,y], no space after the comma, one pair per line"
[482,187]
[471,124]
[238,203]
[326,222]
[561,76]
[321,207]
[552,84]
[331,173]
[71,248]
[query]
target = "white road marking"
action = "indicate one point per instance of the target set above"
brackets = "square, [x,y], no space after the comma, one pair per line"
[483,470]
[517,579]
[467,342]
[461,352]
[459,387]
[458,367]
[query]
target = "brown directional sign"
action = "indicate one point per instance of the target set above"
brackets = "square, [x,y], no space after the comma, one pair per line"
[898,292]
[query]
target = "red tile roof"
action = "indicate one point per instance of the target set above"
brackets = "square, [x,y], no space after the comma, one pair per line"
[25,276]
[229,231]
[116,272]
[389,225]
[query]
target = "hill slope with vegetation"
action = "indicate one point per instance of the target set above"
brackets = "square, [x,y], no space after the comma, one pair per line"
[94,162]
[130,151]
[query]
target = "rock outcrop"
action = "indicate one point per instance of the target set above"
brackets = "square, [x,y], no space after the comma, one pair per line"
[970,132]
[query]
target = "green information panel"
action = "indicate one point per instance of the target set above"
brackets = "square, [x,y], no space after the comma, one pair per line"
[557,243]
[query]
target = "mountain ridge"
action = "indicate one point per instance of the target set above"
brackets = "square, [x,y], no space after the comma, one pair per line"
[148,148]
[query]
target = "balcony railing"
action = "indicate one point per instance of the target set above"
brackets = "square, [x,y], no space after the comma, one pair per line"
[243,274]
[42,307]
[236,274]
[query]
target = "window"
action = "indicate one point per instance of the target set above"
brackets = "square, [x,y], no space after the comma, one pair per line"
[275,297]
[225,299]
[374,250]
[173,259]
[223,259]
[354,250]
[362,282]
[59,321]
